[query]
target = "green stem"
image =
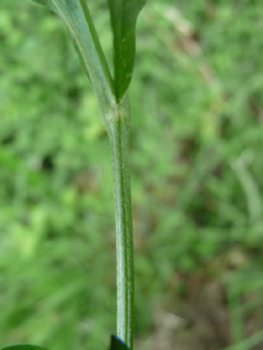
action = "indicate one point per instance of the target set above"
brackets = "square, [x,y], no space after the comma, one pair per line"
[119,138]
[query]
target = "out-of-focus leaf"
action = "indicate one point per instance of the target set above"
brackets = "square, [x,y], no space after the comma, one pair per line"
[24,347]
[124,15]
[117,344]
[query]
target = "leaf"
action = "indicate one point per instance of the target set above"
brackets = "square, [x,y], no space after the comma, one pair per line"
[47,3]
[76,16]
[124,15]
[24,347]
[82,63]
[117,344]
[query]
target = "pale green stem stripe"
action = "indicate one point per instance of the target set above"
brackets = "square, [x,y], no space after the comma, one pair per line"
[119,136]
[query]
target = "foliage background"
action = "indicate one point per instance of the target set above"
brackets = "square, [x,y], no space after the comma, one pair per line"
[196,162]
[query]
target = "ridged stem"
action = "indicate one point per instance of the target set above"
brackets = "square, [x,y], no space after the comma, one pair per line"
[119,138]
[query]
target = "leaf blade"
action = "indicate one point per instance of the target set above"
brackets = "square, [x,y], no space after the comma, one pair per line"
[76,16]
[124,15]
[47,3]
[24,347]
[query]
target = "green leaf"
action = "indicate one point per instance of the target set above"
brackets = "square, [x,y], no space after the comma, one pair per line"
[82,63]
[76,15]
[117,344]
[124,15]
[47,3]
[24,347]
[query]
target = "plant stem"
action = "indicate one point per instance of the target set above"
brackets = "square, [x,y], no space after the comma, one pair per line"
[119,138]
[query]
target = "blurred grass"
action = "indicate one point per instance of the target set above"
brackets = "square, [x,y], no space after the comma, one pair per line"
[196,162]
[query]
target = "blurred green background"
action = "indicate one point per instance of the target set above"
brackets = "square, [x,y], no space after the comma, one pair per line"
[196,163]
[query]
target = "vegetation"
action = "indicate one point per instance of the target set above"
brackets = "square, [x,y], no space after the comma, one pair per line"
[196,163]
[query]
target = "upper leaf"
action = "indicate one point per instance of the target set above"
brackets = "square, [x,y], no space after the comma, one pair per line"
[117,344]
[76,16]
[24,347]
[47,3]
[124,15]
